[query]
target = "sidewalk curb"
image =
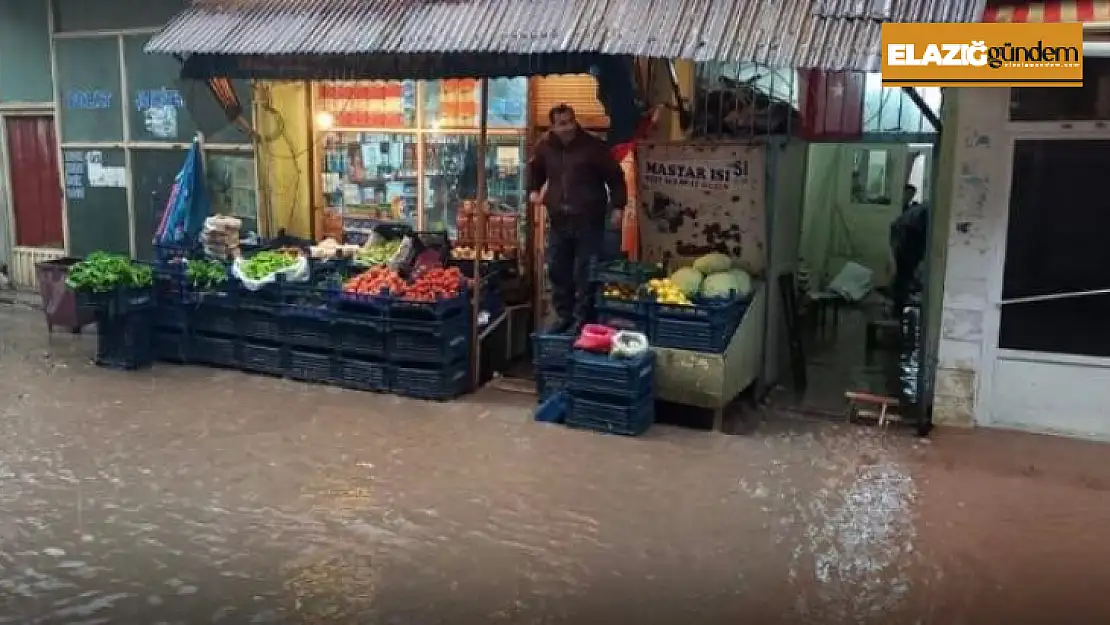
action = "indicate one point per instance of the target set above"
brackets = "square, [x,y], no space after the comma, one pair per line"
[22,299]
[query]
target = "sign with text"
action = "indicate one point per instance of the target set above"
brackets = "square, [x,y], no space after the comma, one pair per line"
[696,199]
[982,55]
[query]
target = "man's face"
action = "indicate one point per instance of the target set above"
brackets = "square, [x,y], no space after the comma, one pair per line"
[564,126]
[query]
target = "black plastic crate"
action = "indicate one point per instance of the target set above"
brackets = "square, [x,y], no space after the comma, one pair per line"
[311,332]
[171,316]
[359,335]
[119,302]
[213,350]
[363,375]
[427,341]
[438,310]
[171,346]
[621,321]
[713,310]
[310,366]
[608,418]
[624,272]
[365,305]
[549,382]
[698,335]
[438,383]
[124,341]
[260,325]
[261,358]
[552,350]
[209,318]
[595,375]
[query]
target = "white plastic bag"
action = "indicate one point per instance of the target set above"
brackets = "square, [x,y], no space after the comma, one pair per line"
[297,272]
[403,255]
[627,344]
[853,283]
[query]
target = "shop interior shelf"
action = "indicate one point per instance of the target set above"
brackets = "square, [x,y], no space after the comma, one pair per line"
[310,366]
[428,341]
[124,341]
[213,350]
[439,384]
[609,418]
[363,375]
[604,376]
[261,358]
[552,350]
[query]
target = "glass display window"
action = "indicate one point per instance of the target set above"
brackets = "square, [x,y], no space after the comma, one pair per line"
[370,174]
[370,104]
[454,104]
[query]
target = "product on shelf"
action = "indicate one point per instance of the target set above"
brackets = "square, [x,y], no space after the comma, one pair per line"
[436,284]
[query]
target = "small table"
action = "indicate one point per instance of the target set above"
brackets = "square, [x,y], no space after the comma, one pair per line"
[824,302]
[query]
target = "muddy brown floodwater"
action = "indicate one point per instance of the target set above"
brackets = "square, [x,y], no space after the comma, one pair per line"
[190,495]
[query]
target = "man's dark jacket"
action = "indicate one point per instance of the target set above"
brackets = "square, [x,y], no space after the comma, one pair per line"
[583,180]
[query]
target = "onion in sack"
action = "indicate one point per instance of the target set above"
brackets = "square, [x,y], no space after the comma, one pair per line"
[628,344]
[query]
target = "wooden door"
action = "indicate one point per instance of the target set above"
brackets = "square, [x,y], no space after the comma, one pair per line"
[35,184]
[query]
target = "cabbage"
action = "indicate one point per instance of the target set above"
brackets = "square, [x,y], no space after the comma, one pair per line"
[688,280]
[733,284]
[713,263]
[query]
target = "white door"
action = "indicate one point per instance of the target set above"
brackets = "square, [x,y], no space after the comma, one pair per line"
[869,197]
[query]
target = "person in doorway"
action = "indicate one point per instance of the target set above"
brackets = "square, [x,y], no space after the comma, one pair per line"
[908,235]
[585,196]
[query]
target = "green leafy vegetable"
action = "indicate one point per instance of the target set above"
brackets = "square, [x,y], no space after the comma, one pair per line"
[205,275]
[102,272]
[267,262]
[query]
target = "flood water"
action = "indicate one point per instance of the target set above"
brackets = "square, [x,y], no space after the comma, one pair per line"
[190,495]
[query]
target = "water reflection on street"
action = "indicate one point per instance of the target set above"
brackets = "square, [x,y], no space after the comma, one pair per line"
[189,495]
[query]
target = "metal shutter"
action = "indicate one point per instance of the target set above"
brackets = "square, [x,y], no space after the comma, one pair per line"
[577,90]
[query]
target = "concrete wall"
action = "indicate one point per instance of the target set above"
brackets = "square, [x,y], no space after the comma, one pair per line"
[973,193]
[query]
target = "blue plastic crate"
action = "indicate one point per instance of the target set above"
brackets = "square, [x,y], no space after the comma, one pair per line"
[171,346]
[552,350]
[213,319]
[359,335]
[552,409]
[366,305]
[310,366]
[312,332]
[623,272]
[261,358]
[125,341]
[427,341]
[260,325]
[435,383]
[595,375]
[597,416]
[698,335]
[212,350]
[550,381]
[437,310]
[700,309]
[363,375]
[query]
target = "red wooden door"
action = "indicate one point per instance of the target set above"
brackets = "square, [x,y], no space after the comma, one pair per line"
[36,186]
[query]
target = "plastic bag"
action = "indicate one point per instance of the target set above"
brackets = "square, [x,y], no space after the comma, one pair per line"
[595,338]
[403,255]
[299,271]
[628,344]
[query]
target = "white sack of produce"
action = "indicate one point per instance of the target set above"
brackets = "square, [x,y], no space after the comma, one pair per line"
[628,344]
[853,283]
[298,271]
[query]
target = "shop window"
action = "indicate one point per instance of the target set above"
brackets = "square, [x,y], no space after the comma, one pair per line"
[1056,244]
[1091,101]
[870,182]
[25,35]
[370,174]
[96,201]
[451,176]
[366,104]
[163,107]
[451,103]
[83,15]
[89,89]
[232,186]
[508,103]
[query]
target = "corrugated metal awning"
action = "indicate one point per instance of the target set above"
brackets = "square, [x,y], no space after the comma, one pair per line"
[1048,11]
[818,34]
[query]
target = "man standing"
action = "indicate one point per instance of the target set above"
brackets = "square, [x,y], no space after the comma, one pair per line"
[908,238]
[586,194]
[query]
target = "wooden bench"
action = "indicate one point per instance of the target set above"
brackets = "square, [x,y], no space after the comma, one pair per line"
[871,405]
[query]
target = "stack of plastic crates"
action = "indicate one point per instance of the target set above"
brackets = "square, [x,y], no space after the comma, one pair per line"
[705,326]
[551,357]
[612,395]
[125,329]
[428,347]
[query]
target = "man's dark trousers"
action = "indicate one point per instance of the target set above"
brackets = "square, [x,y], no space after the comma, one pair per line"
[570,249]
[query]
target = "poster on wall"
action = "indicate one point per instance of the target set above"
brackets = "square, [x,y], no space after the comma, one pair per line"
[702,198]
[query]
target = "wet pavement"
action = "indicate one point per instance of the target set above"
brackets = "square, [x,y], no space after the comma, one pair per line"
[191,495]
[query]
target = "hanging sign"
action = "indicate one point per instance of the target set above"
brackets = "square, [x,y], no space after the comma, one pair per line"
[702,198]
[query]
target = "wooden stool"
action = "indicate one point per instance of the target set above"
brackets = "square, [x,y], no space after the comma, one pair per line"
[883,405]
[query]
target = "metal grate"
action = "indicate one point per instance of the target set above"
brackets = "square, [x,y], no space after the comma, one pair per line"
[742,100]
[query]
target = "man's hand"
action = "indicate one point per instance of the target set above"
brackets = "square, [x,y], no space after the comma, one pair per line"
[535,197]
[616,219]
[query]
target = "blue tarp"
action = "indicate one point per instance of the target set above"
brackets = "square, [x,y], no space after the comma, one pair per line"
[188,205]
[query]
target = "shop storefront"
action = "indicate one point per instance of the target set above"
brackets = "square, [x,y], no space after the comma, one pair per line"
[1024,344]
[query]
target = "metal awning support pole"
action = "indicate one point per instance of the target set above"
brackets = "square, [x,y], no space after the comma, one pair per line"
[480,243]
[923,106]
